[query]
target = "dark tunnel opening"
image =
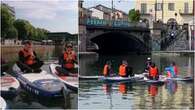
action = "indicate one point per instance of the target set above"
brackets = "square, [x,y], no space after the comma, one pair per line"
[118,42]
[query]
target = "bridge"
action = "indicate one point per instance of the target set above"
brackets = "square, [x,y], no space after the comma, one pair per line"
[113,36]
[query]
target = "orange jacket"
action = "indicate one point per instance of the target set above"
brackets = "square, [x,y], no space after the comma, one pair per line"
[153,71]
[105,71]
[122,70]
[30,59]
[69,60]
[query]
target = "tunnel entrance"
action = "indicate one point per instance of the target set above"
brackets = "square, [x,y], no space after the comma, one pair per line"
[118,42]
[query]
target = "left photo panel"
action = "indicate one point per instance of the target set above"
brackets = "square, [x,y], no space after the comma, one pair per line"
[39,54]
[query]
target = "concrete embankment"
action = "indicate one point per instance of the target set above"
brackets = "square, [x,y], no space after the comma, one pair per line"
[10,53]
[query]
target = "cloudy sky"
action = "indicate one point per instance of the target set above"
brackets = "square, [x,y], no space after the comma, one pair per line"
[53,15]
[124,5]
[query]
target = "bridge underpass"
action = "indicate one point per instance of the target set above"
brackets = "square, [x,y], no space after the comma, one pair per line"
[119,42]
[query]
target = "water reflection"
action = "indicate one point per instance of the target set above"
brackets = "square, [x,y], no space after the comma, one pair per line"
[171,86]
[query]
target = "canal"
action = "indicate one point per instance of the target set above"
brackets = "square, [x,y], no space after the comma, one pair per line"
[25,100]
[98,95]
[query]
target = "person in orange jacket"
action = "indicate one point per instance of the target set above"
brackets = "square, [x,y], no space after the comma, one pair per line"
[67,60]
[107,69]
[125,70]
[28,61]
[153,72]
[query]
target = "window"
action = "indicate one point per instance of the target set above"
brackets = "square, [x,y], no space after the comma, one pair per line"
[186,7]
[171,6]
[143,8]
[158,6]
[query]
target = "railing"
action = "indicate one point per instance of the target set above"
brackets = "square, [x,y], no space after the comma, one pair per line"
[110,23]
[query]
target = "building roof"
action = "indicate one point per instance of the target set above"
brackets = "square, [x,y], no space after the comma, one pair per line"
[107,9]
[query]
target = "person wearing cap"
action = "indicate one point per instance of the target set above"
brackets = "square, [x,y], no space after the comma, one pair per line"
[68,58]
[148,64]
[125,70]
[28,60]
[107,68]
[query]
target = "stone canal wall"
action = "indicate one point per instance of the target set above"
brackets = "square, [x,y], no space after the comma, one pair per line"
[10,53]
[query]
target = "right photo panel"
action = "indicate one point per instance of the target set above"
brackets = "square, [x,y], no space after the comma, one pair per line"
[136,54]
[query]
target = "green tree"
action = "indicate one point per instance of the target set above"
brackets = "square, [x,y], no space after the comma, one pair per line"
[7,28]
[23,27]
[134,15]
[12,32]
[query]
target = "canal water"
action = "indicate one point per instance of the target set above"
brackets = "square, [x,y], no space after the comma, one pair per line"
[25,100]
[98,95]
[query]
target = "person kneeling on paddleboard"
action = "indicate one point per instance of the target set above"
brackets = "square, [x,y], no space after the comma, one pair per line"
[175,68]
[125,70]
[172,70]
[153,72]
[107,71]
[28,61]
[67,60]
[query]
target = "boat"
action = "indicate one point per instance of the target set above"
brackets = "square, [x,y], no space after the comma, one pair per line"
[120,79]
[9,86]
[70,81]
[3,104]
[177,78]
[41,84]
[185,79]
[90,77]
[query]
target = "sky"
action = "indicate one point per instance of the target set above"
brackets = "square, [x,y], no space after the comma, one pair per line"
[124,5]
[53,15]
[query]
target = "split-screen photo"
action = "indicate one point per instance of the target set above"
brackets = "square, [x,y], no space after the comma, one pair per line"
[97,54]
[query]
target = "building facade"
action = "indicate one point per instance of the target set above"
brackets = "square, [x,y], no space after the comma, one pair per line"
[103,12]
[153,10]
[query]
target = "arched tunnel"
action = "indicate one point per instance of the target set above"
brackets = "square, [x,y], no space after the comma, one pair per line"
[118,42]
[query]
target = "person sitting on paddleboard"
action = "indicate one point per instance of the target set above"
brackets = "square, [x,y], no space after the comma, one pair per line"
[107,71]
[171,71]
[153,72]
[148,64]
[28,60]
[175,68]
[68,59]
[125,70]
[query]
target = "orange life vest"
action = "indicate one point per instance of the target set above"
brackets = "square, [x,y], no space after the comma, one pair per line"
[69,59]
[122,70]
[105,71]
[153,71]
[30,60]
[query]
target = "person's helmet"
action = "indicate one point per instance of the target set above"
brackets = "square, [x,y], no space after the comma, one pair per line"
[148,58]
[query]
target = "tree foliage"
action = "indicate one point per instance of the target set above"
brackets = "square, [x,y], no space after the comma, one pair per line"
[134,15]
[7,28]
[19,28]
